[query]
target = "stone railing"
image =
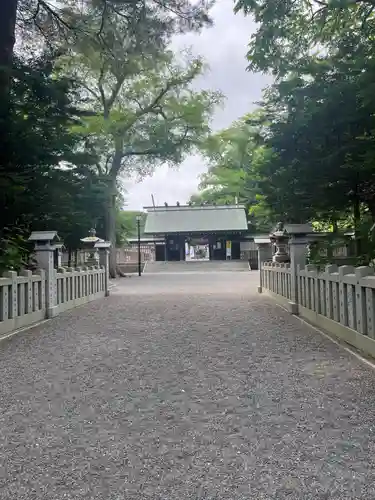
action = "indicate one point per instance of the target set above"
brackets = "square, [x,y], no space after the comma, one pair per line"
[277,278]
[28,298]
[22,299]
[340,300]
[75,287]
[343,294]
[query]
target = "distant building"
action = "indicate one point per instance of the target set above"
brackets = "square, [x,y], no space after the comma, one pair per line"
[190,232]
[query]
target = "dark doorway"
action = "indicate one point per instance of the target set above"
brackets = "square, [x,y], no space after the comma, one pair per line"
[218,249]
[173,249]
[236,250]
[160,252]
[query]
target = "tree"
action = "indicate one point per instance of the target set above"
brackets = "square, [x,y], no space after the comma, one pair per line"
[291,32]
[126,225]
[54,23]
[144,113]
[322,135]
[56,167]
[44,183]
[233,155]
[7,41]
[318,126]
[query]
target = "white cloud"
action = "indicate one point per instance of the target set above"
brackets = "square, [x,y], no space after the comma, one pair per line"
[224,47]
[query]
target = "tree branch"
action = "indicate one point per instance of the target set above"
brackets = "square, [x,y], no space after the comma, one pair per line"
[115,91]
[54,14]
[102,20]
[92,92]
[101,91]
[34,16]
[156,151]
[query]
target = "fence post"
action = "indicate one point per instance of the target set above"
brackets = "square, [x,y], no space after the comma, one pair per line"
[344,296]
[298,249]
[46,247]
[103,247]
[29,289]
[330,299]
[361,303]
[13,294]
[264,255]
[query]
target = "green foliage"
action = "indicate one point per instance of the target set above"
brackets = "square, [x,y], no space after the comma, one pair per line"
[233,157]
[79,129]
[126,225]
[291,33]
[14,250]
[142,110]
[312,155]
[321,138]
[43,183]
[307,154]
[147,118]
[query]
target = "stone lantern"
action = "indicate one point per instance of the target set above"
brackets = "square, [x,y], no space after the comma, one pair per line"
[90,243]
[280,238]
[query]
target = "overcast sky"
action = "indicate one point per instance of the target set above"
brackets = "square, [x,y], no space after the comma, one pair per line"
[224,47]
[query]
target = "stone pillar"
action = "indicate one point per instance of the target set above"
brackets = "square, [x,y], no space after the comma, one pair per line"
[264,255]
[103,248]
[298,250]
[45,251]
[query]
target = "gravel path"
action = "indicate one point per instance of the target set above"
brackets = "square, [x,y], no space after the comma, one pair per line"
[183,387]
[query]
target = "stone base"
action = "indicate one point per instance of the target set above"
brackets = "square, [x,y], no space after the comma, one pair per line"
[260,290]
[281,259]
[92,262]
[293,308]
[52,312]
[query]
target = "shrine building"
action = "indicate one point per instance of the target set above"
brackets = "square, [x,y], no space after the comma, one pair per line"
[197,232]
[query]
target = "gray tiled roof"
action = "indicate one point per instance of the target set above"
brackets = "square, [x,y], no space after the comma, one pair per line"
[184,219]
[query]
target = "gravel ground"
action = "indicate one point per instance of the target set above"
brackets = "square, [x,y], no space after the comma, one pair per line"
[183,387]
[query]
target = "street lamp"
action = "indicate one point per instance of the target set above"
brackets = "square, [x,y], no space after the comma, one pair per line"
[139,217]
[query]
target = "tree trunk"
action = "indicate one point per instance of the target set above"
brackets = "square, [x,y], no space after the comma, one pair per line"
[7,40]
[357,221]
[111,206]
[110,224]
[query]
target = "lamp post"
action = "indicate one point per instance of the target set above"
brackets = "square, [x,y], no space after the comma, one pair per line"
[139,244]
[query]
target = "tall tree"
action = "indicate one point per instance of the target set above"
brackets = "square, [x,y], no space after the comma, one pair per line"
[233,155]
[7,41]
[45,183]
[320,138]
[144,112]
[290,32]
[66,20]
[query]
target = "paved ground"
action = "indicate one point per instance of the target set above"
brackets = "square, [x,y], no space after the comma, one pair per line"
[183,387]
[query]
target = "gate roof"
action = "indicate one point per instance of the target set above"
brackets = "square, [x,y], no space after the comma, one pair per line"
[200,219]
